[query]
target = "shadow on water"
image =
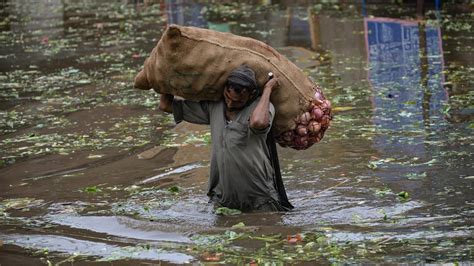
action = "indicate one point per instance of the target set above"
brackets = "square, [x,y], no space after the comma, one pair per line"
[90,170]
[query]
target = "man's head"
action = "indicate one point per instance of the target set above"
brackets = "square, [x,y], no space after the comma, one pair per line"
[240,88]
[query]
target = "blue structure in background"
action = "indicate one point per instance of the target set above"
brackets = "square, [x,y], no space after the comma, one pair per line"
[435,80]
[189,13]
[298,28]
[407,93]
[364,7]
[185,13]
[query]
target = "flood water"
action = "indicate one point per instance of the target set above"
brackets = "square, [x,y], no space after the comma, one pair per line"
[91,170]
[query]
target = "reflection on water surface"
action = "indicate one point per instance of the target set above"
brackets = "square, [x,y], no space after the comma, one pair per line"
[89,166]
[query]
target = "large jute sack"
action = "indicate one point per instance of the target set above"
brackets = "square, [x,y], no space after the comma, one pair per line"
[194,63]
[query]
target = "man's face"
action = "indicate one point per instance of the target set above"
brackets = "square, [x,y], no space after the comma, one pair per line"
[236,99]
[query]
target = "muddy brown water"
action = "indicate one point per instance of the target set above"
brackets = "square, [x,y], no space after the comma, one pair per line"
[91,171]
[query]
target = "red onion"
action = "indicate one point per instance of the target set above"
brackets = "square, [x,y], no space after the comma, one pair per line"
[318,96]
[317,102]
[313,139]
[302,130]
[325,121]
[314,127]
[302,142]
[328,103]
[288,136]
[309,127]
[317,114]
[304,118]
[324,106]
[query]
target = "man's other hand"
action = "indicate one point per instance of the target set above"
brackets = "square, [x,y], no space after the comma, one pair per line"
[272,84]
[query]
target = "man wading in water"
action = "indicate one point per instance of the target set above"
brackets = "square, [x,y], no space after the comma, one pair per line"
[244,172]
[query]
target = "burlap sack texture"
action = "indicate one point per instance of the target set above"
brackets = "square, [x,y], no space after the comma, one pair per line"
[194,63]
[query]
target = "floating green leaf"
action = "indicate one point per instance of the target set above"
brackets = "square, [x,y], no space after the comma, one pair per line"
[403,195]
[238,225]
[92,189]
[227,211]
[174,189]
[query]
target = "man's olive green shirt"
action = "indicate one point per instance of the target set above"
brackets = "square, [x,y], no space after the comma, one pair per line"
[241,173]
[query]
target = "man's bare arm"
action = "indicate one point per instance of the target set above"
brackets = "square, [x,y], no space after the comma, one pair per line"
[260,118]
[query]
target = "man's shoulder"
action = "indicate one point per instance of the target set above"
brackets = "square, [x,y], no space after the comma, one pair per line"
[202,102]
[214,104]
[255,102]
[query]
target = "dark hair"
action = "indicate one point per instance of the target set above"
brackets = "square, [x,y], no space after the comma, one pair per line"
[237,87]
[241,78]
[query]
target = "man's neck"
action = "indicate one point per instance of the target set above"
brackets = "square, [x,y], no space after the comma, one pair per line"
[231,114]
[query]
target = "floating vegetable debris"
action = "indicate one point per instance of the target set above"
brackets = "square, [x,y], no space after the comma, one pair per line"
[403,195]
[227,211]
[391,183]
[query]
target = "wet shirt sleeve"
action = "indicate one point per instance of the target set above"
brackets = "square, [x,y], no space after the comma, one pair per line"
[271,110]
[190,111]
